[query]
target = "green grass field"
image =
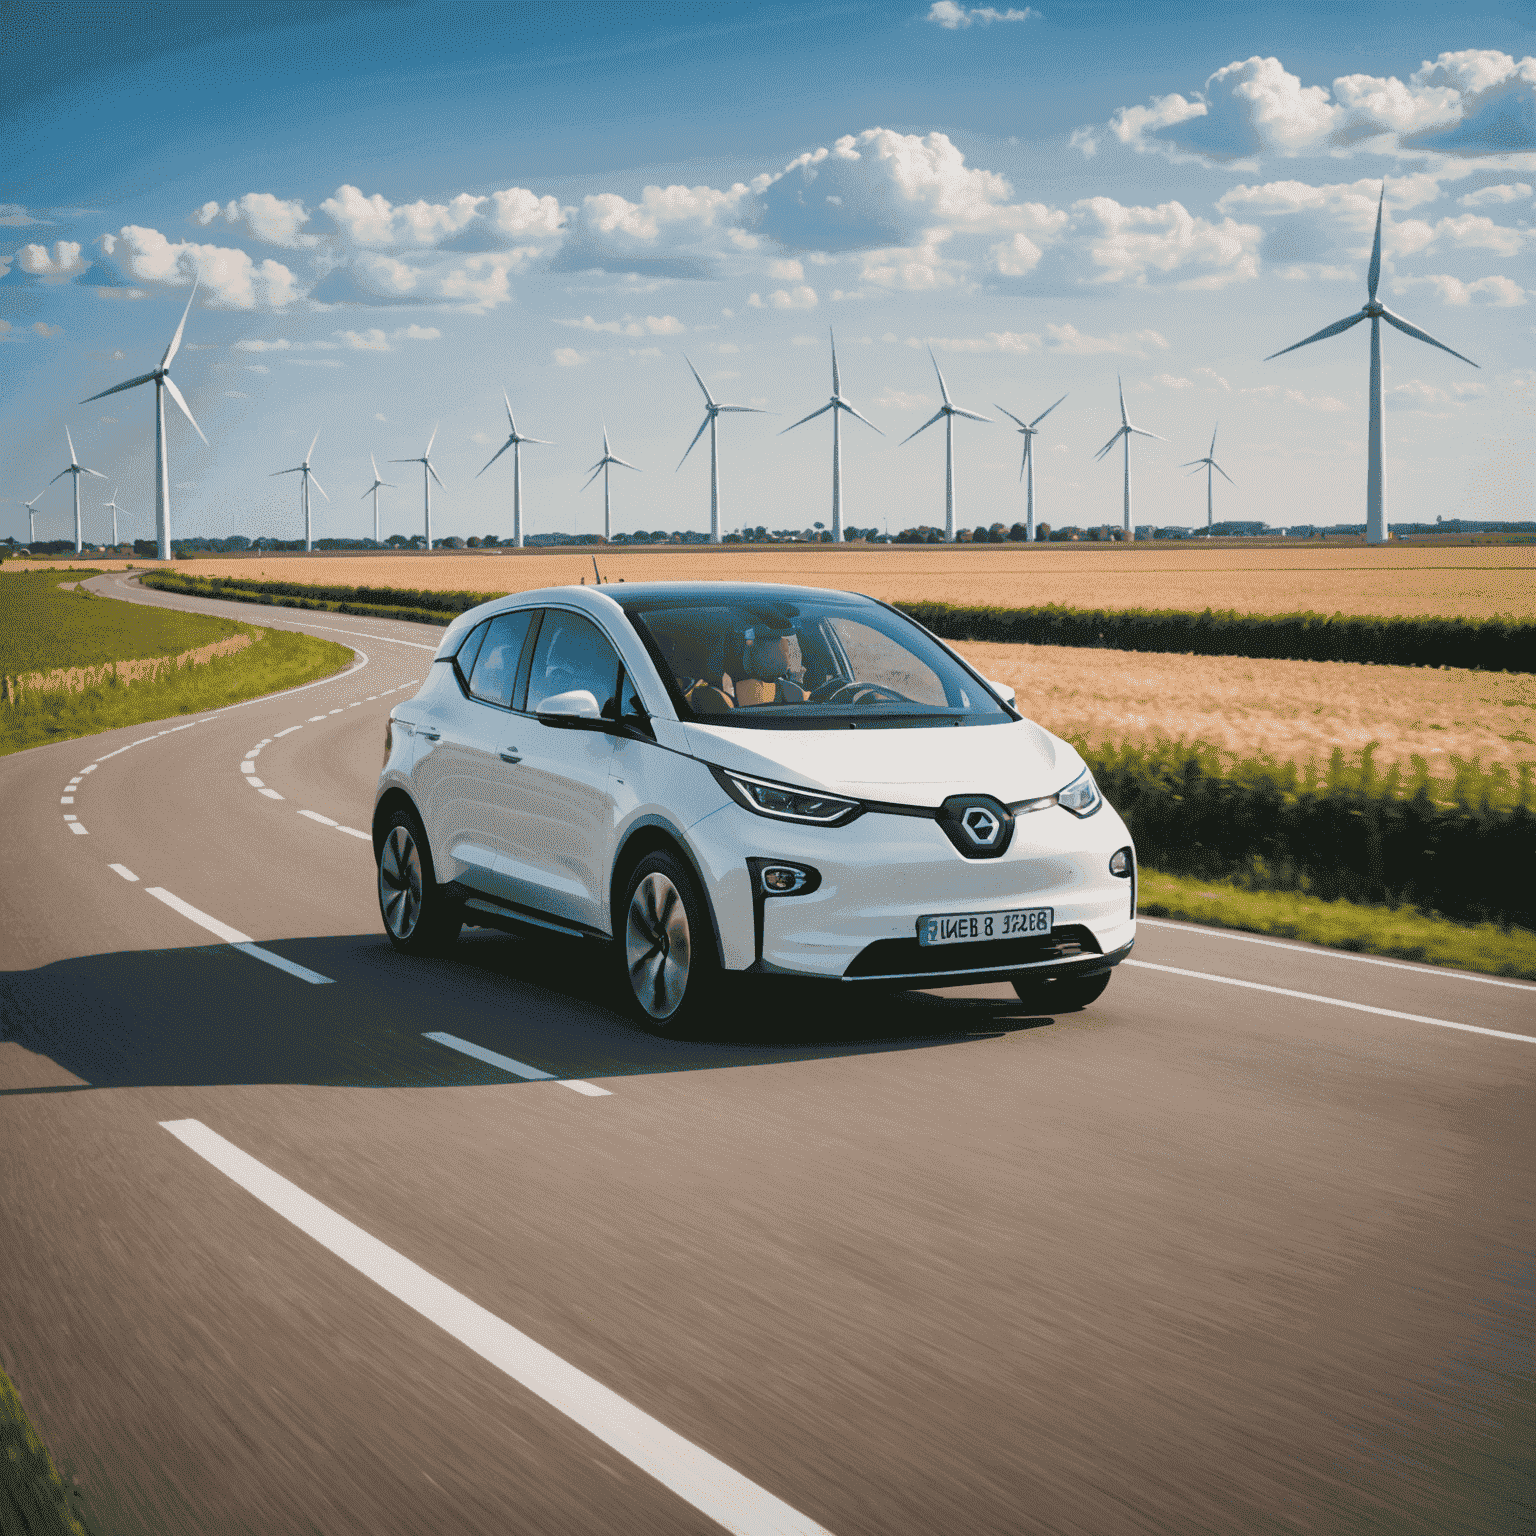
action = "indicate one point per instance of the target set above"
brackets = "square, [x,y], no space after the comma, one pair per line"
[42,626]
[34,1499]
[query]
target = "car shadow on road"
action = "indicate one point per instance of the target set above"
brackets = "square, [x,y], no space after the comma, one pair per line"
[209,1015]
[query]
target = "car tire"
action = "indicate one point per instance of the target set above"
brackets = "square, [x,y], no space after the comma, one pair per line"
[669,968]
[419,917]
[1064,995]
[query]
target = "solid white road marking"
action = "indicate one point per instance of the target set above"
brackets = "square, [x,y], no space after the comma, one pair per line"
[314,718]
[1441,972]
[254,783]
[516,1068]
[716,1490]
[75,826]
[248,766]
[1333,1002]
[125,872]
[289,732]
[325,821]
[271,794]
[91,769]
[353,832]
[334,711]
[233,936]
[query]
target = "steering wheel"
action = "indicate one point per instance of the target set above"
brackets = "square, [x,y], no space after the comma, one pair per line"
[860,695]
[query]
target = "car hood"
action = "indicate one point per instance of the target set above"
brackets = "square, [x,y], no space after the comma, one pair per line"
[1016,761]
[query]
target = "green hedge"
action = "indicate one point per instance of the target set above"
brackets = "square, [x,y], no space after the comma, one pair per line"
[370,602]
[1491,645]
[1348,833]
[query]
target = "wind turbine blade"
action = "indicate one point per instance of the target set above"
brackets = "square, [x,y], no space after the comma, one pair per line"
[373,461]
[865,419]
[1188,462]
[186,410]
[1046,412]
[970,415]
[1140,433]
[1224,475]
[61,474]
[74,458]
[1322,335]
[595,473]
[695,372]
[431,472]
[1212,449]
[544,441]
[317,484]
[1111,443]
[1373,277]
[510,421]
[606,449]
[1023,425]
[751,410]
[95,472]
[836,387]
[143,378]
[369,492]
[1124,419]
[812,417]
[170,351]
[937,416]
[430,441]
[298,469]
[1199,465]
[697,435]
[418,461]
[627,465]
[1414,331]
[491,461]
[315,440]
[943,387]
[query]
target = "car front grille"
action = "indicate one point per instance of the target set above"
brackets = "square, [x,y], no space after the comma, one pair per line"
[906,957]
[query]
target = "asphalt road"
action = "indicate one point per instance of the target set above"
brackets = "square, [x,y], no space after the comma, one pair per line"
[1208,1257]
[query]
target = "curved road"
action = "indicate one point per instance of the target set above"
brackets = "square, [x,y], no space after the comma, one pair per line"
[1246,1246]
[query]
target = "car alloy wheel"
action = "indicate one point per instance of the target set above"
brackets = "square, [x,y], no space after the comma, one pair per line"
[658,948]
[419,917]
[400,884]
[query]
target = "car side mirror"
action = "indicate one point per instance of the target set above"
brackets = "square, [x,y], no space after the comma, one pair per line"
[576,710]
[1003,691]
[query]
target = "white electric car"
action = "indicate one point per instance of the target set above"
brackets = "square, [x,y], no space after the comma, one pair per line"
[715,778]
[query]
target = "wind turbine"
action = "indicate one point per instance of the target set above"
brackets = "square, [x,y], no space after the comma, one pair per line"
[515,441]
[836,405]
[308,474]
[113,507]
[163,382]
[373,490]
[712,412]
[1030,429]
[1208,463]
[1127,431]
[428,474]
[32,515]
[947,412]
[75,468]
[608,460]
[1375,501]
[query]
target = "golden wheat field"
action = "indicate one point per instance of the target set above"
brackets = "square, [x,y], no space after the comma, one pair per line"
[1482,581]
[1295,711]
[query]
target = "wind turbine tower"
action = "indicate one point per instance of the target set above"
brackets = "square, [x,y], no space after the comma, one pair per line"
[836,405]
[1030,429]
[114,509]
[31,507]
[603,465]
[713,409]
[428,474]
[308,475]
[373,490]
[1208,463]
[162,380]
[1126,432]
[1375,490]
[515,441]
[75,468]
[947,413]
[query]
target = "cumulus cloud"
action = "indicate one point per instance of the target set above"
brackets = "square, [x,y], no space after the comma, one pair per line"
[376,221]
[64,262]
[569,357]
[372,340]
[269,218]
[952,17]
[650,325]
[799,297]
[993,341]
[902,400]
[1486,197]
[677,231]
[229,278]
[1475,102]
[13,216]
[1068,339]
[1131,244]
[44,329]
[1501,292]
[259,344]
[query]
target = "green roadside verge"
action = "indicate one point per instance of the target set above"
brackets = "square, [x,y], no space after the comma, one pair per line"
[34,1499]
[43,628]
[1399,933]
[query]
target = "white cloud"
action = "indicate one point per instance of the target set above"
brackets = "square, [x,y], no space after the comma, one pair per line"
[917,269]
[1015,258]
[569,357]
[1017,342]
[44,329]
[1501,292]
[229,278]
[371,340]
[380,416]
[478,281]
[64,262]
[801,297]
[269,218]
[257,344]
[952,17]
[1171,381]
[315,362]
[1477,231]
[650,325]
[902,400]
[1130,244]
[1068,339]
[376,221]
[1296,397]
[13,216]
[522,213]
[1487,196]
[417,333]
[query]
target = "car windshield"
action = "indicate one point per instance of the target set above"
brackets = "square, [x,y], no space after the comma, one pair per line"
[813,660]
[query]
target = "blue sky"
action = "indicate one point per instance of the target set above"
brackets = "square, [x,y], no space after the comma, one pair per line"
[396,210]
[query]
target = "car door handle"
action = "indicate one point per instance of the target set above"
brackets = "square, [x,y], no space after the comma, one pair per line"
[428,735]
[511,755]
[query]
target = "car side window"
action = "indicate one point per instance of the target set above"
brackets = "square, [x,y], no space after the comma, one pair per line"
[469,649]
[571,653]
[495,668]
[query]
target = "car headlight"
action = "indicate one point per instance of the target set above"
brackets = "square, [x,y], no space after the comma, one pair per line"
[1081,796]
[786,802]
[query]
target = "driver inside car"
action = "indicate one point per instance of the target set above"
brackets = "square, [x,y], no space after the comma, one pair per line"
[772,670]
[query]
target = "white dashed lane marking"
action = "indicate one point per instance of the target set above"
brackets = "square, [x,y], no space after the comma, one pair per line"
[271,794]
[75,826]
[516,1068]
[289,732]
[353,832]
[234,938]
[709,1485]
[125,872]
[325,821]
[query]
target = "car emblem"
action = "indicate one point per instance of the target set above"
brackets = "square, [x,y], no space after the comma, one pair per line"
[981,826]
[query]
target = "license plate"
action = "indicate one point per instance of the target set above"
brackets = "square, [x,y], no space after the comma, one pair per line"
[974,927]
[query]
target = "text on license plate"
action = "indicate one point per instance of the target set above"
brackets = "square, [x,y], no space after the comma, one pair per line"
[968,927]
